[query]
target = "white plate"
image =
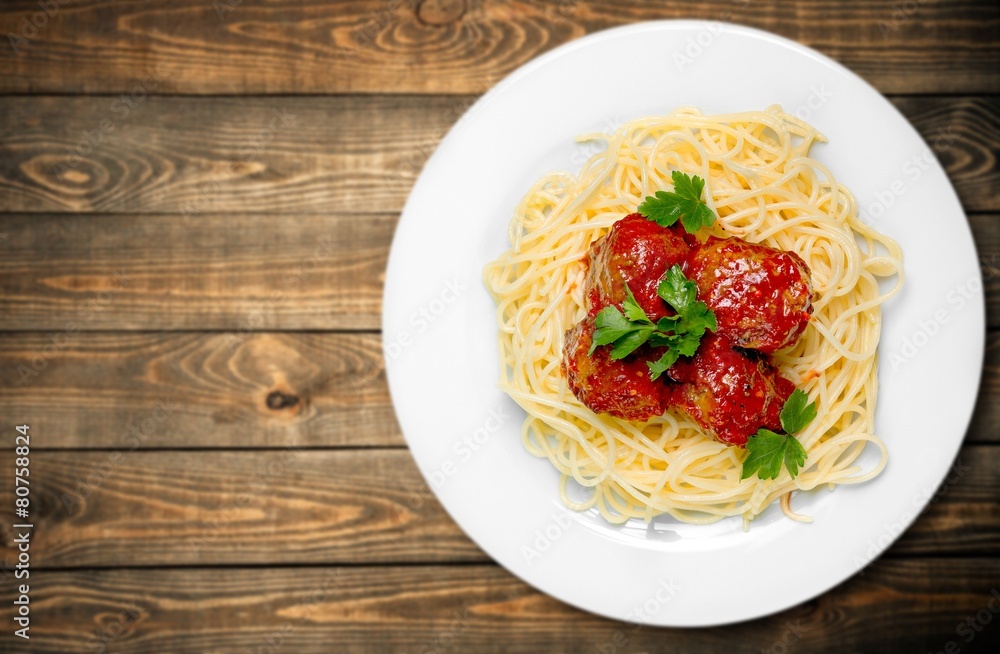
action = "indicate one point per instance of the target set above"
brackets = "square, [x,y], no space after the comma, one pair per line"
[440,330]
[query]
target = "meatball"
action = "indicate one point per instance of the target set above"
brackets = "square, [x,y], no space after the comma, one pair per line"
[730,393]
[762,297]
[636,252]
[622,388]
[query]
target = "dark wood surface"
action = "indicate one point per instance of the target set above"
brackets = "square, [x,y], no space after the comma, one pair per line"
[477,608]
[459,46]
[189,320]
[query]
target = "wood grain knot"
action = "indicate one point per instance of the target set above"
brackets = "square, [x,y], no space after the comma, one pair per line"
[73,176]
[277,400]
[440,12]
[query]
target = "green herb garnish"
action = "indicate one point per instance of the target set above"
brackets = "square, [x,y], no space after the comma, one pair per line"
[766,450]
[665,208]
[626,330]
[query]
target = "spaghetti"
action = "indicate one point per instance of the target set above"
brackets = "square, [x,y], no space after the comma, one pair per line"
[764,188]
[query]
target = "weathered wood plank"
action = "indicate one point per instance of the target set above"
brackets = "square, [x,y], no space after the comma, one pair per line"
[237,390]
[194,156]
[313,155]
[109,509]
[237,273]
[985,423]
[161,508]
[445,46]
[898,605]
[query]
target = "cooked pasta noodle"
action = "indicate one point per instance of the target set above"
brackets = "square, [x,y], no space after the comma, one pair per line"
[764,188]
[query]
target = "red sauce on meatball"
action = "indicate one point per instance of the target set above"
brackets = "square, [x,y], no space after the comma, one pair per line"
[762,297]
[730,393]
[621,388]
[636,252]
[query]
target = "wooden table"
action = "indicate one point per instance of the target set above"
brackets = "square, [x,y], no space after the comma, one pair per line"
[198,198]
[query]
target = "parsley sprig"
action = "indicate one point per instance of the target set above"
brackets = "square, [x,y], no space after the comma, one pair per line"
[766,450]
[627,329]
[665,208]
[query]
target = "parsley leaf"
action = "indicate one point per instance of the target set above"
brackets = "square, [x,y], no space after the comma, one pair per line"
[625,331]
[766,450]
[628,328]
[632,309]
[796,413]
[687,343]
[680,293]
[676,290]
[612,327]
[630,342]
[665,208]
[661,365]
